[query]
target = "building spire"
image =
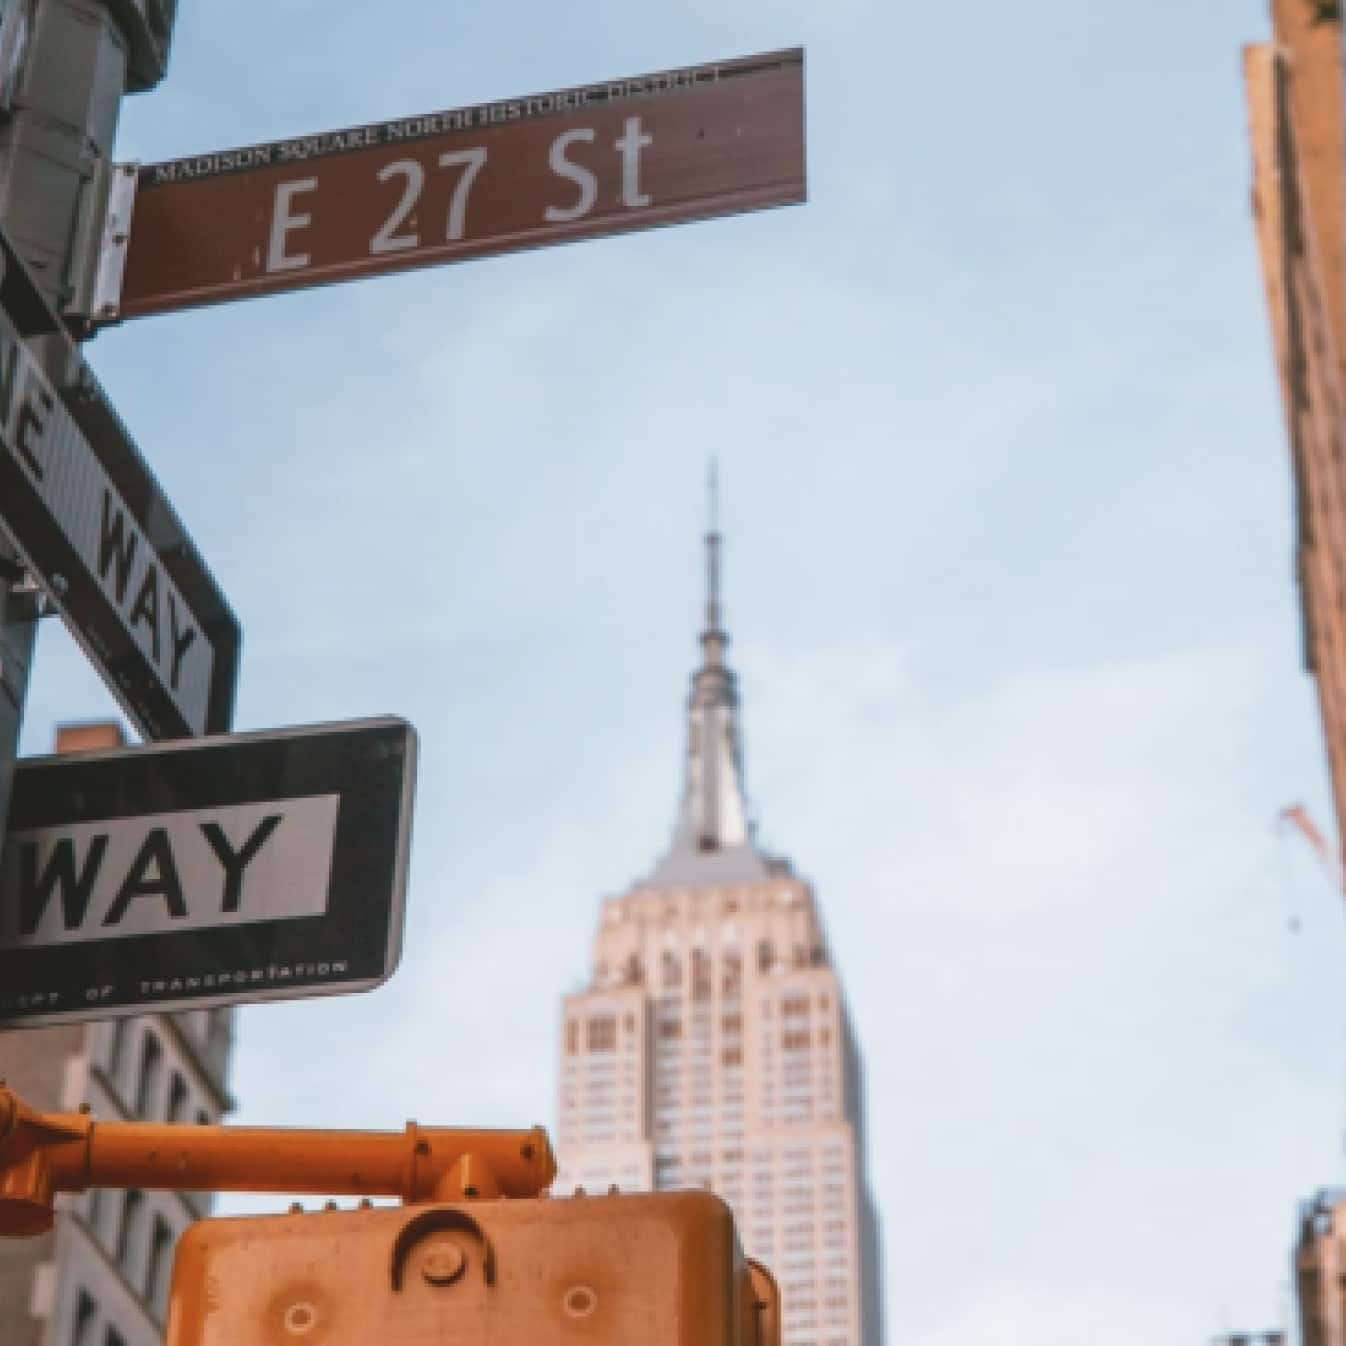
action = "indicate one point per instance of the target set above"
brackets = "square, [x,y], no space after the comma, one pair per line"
[713,637]
[713,817]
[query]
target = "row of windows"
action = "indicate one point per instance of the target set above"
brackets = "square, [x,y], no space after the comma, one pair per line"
[808,1304]
[121,1222]
[149,1076]
[698,904]
[150,1277]
[700,967]
[600,1033]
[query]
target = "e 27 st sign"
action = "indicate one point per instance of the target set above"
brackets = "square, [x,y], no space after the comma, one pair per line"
[576,163]
[395,234]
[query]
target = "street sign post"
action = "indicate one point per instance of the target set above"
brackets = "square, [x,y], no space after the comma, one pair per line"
[92,526]
[241,868]
[549,168]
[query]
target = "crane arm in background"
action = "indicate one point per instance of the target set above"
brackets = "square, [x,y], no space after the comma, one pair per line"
[1297,816]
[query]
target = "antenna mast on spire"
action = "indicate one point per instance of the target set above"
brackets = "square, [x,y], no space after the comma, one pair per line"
[713,547]
[713,816]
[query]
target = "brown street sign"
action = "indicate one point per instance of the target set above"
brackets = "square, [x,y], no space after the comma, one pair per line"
[549,168]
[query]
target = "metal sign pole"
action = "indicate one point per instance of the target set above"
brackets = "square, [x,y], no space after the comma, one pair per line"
[62,78]
[18,623]
[44,166]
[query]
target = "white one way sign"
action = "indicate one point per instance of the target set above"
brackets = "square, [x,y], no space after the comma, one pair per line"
[94,528]
[189,870]
[248,867]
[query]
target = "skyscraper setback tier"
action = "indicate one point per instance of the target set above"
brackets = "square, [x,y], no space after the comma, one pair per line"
[713,1047]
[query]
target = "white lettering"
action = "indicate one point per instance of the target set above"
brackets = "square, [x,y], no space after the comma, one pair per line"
[471,162]
[25,404]
[629,147]
[120,547]
[191,870]
[582,177]
[387,239]
[283,223]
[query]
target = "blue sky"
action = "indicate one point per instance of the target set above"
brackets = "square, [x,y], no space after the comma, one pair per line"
[1008,575]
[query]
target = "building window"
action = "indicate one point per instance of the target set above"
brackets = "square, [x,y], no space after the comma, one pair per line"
[219,1031]
[732,1056]
[128,1231]
[116,1057]
[86,1311]
[161,1263]
[177,1099]
[600,1033]
[572,1037]
[701,975]
[151,1067]
[766,955]
[672,970]
[731,973]
[670,1028]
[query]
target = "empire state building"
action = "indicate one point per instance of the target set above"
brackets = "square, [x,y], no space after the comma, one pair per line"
[713,1047]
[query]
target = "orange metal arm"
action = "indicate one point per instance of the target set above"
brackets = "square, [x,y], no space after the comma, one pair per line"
[41,1155]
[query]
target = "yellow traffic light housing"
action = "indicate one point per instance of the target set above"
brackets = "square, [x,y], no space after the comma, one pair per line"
[475,1257]
[659,1270]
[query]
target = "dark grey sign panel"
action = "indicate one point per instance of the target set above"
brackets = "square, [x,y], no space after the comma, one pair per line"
[218,871]
[92,525]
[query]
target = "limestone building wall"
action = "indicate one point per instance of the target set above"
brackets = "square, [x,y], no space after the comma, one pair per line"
[711,1052]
